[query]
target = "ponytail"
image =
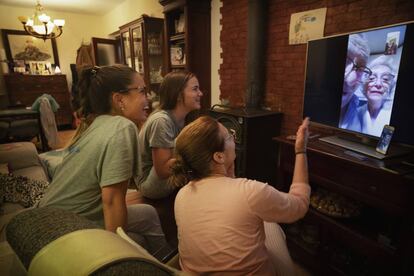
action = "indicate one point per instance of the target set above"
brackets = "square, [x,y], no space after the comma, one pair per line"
[194,150]
[96,85]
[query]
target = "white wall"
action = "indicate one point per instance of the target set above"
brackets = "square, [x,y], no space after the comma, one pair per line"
[128,11]
[78,28]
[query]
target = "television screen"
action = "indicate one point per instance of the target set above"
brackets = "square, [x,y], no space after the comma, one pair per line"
[361,81]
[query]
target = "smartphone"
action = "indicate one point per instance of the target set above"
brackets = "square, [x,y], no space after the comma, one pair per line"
[385,139]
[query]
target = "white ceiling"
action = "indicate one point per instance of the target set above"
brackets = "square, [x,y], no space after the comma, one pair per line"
[97,7]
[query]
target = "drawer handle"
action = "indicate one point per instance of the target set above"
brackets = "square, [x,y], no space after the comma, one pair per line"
[373,188]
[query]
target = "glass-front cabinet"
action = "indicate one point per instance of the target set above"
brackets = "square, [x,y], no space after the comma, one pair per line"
[142,49]
[126,48]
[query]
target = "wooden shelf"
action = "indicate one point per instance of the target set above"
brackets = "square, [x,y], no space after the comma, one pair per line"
[193,19]
[182,66]
[348,232]
[176,37]
[379,241]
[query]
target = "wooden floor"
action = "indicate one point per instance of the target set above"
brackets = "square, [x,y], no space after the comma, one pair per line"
[65,136]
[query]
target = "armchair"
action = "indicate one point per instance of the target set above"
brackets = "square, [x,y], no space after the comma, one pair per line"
[36,233]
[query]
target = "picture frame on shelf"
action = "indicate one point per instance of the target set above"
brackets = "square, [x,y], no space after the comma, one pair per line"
[177,55]
[40,68]
[19,45]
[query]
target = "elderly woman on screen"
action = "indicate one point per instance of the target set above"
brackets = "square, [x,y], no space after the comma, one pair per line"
[378,89]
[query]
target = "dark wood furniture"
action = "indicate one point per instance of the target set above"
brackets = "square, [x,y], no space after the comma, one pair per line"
[380,240]
[24,114]
[188,39]
[142,48]
[106,51]
[256,153]
[25,89]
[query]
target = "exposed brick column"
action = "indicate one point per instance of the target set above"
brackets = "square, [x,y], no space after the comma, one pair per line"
[233,39]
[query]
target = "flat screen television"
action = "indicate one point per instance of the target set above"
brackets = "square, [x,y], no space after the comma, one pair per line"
[359,82]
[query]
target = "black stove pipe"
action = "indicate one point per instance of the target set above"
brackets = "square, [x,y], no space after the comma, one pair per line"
[256,50]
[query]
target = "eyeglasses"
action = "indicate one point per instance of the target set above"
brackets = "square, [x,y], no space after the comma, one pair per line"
[361,69]
[232,135]
[386,78]
[141,89]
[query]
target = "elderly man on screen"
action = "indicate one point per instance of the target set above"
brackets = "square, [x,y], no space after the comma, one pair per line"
[356,73]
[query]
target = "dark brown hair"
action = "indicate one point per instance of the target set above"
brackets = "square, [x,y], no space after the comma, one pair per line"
[96,85]
[172,87]
[194,149]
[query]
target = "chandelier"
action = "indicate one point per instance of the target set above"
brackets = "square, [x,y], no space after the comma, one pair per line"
[40,25]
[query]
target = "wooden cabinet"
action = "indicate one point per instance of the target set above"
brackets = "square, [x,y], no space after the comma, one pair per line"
[188,39]
[27,88]
[142,48]
[377,241]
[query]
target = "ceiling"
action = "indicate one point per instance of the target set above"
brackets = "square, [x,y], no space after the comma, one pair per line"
[96,7]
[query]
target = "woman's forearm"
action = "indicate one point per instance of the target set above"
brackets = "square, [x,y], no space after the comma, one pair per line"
[115,216]
[162,161]
[300,172]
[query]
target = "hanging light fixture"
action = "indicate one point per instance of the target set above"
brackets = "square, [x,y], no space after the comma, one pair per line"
[40,25]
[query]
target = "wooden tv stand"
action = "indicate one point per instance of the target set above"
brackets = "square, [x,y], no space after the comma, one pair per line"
[378,241]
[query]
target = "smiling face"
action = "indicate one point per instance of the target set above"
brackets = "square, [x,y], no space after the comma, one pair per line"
[135,102]
[379,84]
[192,95]
[229,147]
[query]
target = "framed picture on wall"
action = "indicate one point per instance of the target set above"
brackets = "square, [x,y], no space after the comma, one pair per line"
[19,45]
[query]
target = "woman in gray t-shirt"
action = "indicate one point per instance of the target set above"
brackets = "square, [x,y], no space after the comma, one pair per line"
[93,177]
[179,94]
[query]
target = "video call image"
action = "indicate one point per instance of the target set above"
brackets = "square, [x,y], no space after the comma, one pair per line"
[371,73]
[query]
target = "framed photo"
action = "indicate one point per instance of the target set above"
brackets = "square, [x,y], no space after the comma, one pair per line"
[20,45]
[177,55]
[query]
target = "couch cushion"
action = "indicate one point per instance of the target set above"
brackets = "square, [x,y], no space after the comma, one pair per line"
[19,155]
[31,230]
[35,173]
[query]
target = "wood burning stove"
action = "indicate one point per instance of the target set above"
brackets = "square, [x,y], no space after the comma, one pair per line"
[255,150]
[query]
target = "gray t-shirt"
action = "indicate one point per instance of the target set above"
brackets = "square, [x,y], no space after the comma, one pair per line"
[159,131]
[106,154]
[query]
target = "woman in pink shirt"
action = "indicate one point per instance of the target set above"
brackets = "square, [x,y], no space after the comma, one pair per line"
[227,225]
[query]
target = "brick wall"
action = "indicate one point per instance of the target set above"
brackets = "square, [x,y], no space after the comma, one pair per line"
[285,64]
